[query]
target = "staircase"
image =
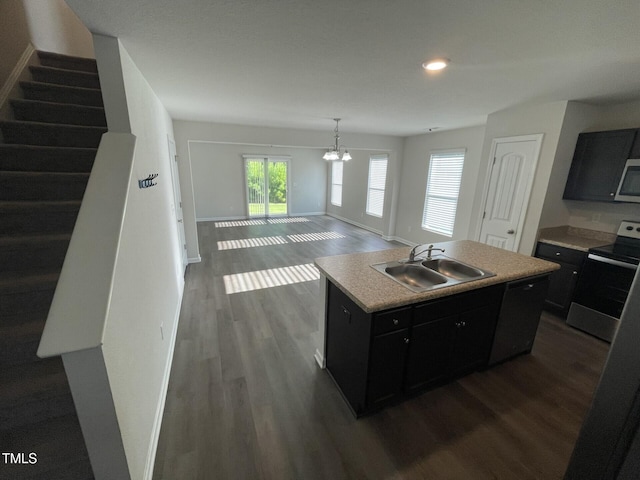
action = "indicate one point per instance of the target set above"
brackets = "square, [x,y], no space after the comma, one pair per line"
[45,160]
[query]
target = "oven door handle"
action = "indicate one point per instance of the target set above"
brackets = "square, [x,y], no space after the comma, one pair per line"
[611,261]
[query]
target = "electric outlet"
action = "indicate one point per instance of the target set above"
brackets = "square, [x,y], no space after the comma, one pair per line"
[409,229]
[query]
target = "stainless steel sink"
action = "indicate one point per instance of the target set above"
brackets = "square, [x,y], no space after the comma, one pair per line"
[415,276]
[454,269]
[430,274]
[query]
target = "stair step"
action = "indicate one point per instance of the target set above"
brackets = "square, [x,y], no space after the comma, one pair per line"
[34,392]
[24,218]
[34,133]
[67,62]
[65,113]
[25,295]
[14,157]
[48,92]
[58,444]
[32,252]
[42,185]
[59,76]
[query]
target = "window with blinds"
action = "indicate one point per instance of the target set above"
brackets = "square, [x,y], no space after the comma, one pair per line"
[443,187]
[336,183]
[377,180]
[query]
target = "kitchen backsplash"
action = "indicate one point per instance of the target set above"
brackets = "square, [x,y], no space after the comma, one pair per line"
[605,217]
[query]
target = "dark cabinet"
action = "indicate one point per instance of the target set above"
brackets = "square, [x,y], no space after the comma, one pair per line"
[519,318]
[562,283]
[379,358]
[388,353]
[474,333]
[597,164]
[430,352]
[347,350]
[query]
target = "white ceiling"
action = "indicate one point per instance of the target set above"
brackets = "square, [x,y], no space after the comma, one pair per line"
[299,63]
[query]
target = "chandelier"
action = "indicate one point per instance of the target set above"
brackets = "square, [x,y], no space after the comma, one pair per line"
[334,151]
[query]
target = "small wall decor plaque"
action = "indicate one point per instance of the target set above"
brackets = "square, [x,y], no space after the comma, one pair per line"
[148,182]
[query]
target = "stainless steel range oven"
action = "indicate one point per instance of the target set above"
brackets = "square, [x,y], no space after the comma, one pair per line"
[604,283]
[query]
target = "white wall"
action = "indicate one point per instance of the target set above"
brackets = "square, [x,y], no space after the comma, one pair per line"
[415,169]
[523,120]
[55,28]
[147,282]
[200,142]
[219,179]
[355,181]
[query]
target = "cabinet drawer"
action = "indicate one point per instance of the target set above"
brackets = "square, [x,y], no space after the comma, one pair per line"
[392,320]
[562,254]
[457,304]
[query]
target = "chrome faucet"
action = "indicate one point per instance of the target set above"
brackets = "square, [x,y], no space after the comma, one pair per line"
[429,249]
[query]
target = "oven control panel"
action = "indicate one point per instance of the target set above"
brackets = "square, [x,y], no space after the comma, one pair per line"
[629,229]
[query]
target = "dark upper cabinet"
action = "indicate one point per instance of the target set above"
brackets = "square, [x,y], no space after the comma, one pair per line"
[598,163]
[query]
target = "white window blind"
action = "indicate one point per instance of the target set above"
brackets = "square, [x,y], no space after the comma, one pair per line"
[377,180]
[443,187]
[336,183]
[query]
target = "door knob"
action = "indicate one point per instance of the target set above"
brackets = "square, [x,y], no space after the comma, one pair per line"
[511,231]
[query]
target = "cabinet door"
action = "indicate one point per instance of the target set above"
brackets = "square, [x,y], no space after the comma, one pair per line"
[386,366]
[562,284]
[597,165]
[348,337]
[474,331]
[430,352]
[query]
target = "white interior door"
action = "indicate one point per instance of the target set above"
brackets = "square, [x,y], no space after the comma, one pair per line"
[177,202]
[510,181]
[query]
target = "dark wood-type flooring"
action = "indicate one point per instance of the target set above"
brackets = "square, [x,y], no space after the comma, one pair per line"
[247,400]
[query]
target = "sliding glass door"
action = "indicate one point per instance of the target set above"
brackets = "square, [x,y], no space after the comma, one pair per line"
[267,186]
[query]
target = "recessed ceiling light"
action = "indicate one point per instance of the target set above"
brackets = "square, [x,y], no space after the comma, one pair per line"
[437,64]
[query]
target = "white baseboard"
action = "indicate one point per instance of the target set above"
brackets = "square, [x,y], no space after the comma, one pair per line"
[352,222]
[197,259]
[14,77]
[157,423]
[399,239]
[308,214]
[320,359]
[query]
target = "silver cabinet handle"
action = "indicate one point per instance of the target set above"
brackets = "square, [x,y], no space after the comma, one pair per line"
[511,231]
[395,321]
[406,340]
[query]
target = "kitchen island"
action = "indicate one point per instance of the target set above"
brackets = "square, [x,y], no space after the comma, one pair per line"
[382,342]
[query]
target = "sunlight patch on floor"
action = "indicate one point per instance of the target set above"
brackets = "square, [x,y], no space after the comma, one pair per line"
[287,220]
[250,242]
[259,221]
[273,277]
[240,223]
[312,237]
[277,240]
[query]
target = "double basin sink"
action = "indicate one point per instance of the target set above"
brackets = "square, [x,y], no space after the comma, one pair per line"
[425,275]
